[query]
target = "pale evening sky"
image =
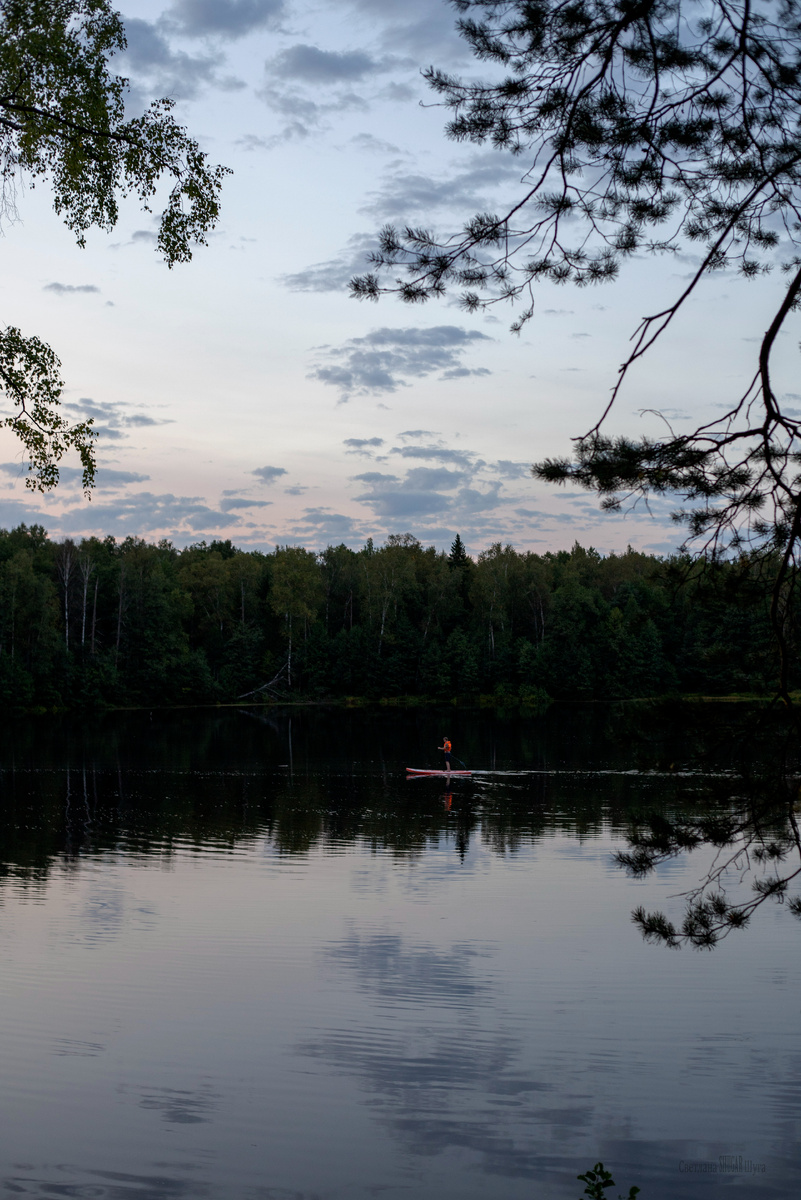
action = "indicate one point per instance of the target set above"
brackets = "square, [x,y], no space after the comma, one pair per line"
[246,396]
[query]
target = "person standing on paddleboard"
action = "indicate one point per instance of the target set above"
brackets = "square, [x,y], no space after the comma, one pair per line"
[446,747]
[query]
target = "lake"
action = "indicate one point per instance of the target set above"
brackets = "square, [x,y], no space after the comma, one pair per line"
[241,956]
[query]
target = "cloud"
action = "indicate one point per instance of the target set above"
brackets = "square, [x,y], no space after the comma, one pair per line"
[384,359]
[365,446]
[269,474]
[333,275]
[321,526]
[141,513]
[373,145]
[376,477]
[463,372]
[111,420]
[139,237]
[455,489]
[427,30]
[305,84]
[66,289]
[150,57]
[473,186]
[512,470]
[250,142]
[441,453]
[303,115]
[224,18]
[424,492]
[106,476]
[232,502]
[310,64]
[17,512]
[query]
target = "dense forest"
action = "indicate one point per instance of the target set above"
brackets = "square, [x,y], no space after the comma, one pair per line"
[101,623]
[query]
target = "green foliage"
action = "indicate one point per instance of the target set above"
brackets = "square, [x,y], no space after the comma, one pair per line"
[63,122]
[30,378]
[644,128]
[597,1179]
[101,622]
[639,126]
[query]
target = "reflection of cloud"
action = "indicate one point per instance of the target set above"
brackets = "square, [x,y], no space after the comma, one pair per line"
[179,1107]
[384,359]
[73,1048]
[103,913]
[444,1082]
[385,967]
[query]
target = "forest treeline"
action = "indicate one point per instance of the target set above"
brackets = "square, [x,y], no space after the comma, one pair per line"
[101,623]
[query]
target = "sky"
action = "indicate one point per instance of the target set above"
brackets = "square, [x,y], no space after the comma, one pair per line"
[246,396]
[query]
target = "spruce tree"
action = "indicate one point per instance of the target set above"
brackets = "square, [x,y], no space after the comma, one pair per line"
[458,555]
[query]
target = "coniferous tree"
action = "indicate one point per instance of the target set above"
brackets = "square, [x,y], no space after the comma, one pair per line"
[641,128]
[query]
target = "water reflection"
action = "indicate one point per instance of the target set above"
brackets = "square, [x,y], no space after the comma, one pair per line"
[222,781]
[383,966]
[243,958]
[448,1084]
[180,1107]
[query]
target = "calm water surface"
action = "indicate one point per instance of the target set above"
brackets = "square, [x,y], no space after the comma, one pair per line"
[242,957]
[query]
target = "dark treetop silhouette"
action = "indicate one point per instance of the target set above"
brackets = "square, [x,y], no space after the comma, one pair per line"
[641,127]
[647,126]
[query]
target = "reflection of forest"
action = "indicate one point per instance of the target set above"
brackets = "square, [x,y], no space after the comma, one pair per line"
[149,784]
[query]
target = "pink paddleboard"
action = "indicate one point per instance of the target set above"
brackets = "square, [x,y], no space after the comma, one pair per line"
[419,771]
